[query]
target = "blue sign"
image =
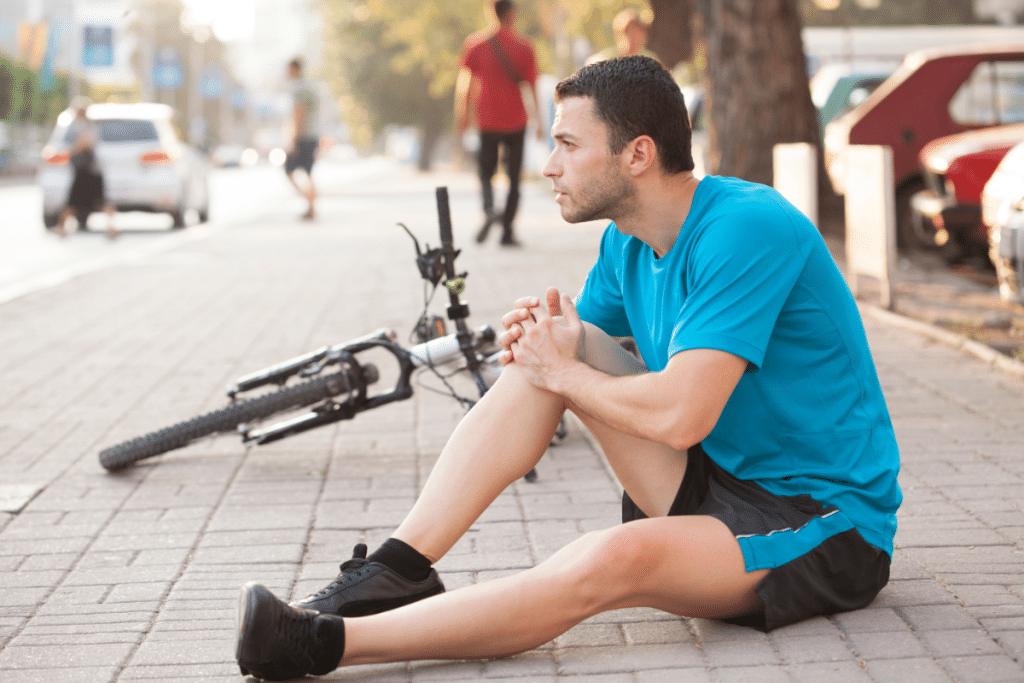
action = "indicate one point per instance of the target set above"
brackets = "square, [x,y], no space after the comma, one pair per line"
[167,71]
[212,85]
[98,46]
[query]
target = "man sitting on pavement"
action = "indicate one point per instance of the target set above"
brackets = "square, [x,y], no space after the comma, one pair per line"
[753,442]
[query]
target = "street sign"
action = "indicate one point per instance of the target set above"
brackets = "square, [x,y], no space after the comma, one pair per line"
[212,84]
[98,46]
[167,71]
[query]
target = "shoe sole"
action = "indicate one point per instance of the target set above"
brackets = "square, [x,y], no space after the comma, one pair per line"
[243,614]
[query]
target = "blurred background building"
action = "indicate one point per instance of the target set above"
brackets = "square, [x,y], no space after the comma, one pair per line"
[219,63]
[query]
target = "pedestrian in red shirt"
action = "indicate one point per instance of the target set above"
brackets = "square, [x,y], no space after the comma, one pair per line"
[494,65]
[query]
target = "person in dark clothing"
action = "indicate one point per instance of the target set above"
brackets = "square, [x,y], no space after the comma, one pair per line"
[88,192]
[498,66]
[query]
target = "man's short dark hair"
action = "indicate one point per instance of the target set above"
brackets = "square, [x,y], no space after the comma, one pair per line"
[636,96]
[296,64]
[502,8]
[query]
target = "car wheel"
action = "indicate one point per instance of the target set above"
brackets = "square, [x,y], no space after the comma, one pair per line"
[911,233]
[204,214]
[50,220]
[178,218]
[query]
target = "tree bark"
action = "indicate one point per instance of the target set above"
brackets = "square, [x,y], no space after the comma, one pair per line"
[758,93]
[671,33]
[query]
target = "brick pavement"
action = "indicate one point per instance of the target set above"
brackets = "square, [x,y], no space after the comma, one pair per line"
[133,576]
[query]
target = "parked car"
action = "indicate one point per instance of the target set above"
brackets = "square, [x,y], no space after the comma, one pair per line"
[955,168]
[838,88]
[146,166]
[932,94]
[1002,213]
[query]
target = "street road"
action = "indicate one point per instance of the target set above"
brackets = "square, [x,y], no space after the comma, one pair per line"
[32,258]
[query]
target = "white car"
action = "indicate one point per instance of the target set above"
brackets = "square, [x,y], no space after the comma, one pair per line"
[146,166]
[1002,213]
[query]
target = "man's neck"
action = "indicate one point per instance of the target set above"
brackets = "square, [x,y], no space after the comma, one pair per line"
[661,211]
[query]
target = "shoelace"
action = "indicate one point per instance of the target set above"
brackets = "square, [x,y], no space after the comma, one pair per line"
[350,570]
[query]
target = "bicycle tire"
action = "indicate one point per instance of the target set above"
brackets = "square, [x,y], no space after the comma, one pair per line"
[224,420]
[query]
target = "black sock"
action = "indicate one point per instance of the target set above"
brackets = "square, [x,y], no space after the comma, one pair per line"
[402,558]
[330,644]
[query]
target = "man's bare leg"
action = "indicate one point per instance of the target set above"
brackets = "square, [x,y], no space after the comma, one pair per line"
[689,566]
[507,433]
[496,443]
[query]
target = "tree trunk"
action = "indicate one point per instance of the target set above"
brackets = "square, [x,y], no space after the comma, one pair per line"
[758,94]
[671,33]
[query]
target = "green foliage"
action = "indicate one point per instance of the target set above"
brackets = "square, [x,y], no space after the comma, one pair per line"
[23,100]
[396,61]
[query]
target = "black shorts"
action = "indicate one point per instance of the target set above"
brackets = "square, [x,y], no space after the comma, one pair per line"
[302,156]
[844,572]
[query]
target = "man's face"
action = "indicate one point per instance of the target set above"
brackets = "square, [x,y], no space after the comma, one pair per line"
[589,181]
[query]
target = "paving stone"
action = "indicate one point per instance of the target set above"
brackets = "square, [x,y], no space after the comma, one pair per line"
[938,618]
[674,675]
[597,660]
[887,645]
[918,670]
[984,669]
[747,652]
[754,674]
[15,656]
[78,674]
[834,672]
[959,642]
[801,649]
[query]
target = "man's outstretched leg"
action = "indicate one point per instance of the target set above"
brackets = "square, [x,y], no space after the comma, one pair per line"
[499,441]
[683,565]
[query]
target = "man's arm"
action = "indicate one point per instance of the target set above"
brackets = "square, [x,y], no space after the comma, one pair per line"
[464,86]
[533,109]
[677,406]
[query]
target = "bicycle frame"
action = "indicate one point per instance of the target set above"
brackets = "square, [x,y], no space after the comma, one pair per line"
[433,264]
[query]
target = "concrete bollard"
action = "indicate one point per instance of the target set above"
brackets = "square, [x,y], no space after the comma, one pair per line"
[795,170]
[870,217]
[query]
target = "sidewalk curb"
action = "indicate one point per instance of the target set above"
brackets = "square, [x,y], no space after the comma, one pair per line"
[986,354]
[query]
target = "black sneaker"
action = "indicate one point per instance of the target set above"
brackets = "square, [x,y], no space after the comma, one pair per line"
[277,642]
[365,587]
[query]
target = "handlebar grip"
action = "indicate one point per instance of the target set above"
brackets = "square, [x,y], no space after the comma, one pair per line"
[444,217]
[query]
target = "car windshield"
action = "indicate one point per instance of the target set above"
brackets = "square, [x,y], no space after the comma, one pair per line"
[127,130]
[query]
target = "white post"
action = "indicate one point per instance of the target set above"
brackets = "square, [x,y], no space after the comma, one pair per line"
[871,217]
[795,172]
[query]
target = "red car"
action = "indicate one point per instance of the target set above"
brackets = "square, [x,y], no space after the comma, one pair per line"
[934,93]
[955,168]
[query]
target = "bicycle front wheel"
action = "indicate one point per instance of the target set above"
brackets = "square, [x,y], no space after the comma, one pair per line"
[224,420]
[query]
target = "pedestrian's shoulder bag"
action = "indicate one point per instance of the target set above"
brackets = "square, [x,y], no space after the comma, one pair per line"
[506,63]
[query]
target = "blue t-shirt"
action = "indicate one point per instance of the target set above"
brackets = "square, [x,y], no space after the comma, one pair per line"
[750,275]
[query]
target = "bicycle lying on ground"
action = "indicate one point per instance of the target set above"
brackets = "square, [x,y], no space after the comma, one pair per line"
[333,383]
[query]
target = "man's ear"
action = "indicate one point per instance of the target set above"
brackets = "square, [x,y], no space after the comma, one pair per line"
[640,155]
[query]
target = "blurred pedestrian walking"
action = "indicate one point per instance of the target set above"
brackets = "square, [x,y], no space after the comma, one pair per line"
[88,192]
[498,68]
[305,138]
